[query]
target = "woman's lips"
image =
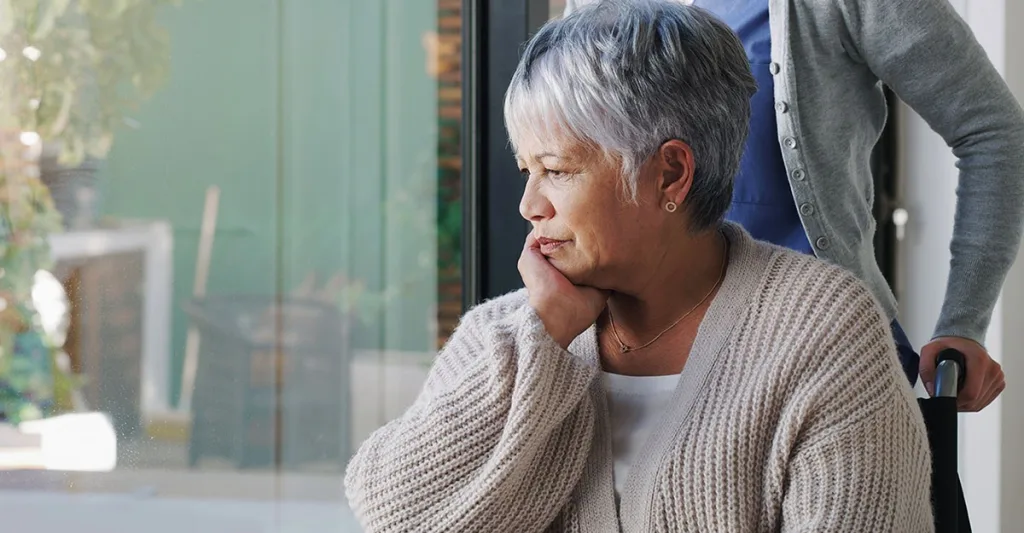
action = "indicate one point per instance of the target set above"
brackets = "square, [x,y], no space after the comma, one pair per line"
[548,246]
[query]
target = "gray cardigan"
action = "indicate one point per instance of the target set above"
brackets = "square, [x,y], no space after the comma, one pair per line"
[828,57]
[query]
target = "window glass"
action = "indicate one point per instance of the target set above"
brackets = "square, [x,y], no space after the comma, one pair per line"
[230,249]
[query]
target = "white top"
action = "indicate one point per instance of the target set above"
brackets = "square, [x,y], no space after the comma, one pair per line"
[635,407]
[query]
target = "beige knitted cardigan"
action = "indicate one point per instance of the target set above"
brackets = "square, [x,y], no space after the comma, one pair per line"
[792,414]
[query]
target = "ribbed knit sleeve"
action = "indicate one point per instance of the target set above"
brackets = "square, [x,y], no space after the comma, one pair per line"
[496,441]
[870,476]
[862,462]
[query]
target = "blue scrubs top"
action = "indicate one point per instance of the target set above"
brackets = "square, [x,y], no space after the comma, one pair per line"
[762,200]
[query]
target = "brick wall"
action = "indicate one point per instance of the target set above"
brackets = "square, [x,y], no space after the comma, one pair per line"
[449,79]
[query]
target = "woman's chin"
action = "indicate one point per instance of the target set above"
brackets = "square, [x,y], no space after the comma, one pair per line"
[576,274]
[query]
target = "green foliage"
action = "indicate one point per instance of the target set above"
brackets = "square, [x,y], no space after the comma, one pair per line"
[80,67]
[71,72]
[27,217]
[26,386]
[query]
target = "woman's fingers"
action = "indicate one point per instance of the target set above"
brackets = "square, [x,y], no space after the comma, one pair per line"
[565,309]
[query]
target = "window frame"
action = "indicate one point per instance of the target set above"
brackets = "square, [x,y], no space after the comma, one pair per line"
[494,32]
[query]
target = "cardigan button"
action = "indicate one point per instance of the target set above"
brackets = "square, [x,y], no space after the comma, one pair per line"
[807,210]
[790,143]
[781,107]
[799,174]
[822,243]
[774,68]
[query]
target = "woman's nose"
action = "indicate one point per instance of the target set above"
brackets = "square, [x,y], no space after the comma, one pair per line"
[534,206]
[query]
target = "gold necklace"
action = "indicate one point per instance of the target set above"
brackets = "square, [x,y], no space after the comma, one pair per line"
[625,348]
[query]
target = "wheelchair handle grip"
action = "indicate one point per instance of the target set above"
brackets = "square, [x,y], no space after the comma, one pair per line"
[950,373]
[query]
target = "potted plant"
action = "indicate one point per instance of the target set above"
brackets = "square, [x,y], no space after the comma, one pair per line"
[71,71]
[80,68]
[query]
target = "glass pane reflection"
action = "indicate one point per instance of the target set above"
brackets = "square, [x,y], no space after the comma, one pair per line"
[256,274]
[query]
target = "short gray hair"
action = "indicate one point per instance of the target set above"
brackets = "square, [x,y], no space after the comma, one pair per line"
[625,76]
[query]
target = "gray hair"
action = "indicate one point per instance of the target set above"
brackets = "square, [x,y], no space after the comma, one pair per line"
[627,76]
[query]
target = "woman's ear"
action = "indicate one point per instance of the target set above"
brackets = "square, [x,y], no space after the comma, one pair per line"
[675,168]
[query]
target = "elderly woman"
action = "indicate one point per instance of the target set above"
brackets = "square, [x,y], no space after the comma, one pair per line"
[662,371]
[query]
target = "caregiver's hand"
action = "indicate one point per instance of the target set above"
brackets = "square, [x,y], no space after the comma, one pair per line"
[985,378]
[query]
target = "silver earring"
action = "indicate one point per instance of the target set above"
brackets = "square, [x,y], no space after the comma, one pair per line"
[671,207]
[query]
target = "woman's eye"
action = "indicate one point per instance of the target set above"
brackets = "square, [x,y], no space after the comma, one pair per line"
[548,173]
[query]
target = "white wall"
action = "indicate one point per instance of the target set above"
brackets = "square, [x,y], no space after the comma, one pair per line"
[991,468]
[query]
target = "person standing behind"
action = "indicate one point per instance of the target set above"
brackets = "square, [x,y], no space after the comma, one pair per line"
[805,179]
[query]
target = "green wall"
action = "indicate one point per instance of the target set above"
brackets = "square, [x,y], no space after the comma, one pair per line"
[309,114]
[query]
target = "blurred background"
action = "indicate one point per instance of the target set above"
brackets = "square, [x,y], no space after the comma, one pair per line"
[235,232]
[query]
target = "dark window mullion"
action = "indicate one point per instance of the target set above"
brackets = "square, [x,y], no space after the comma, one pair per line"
[495,31]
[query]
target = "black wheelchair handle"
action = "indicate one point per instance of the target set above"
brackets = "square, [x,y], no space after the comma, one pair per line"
[950,368]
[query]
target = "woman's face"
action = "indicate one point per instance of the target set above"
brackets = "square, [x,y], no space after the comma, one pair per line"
[586,228]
